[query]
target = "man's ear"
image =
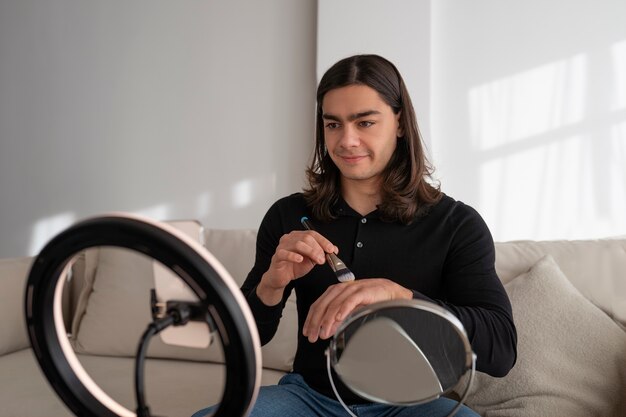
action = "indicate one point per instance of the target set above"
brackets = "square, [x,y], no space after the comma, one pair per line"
[400,132]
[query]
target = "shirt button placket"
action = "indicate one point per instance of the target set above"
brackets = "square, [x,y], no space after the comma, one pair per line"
[359,244]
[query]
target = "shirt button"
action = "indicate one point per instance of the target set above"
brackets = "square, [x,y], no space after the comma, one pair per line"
[359,245]
[363,220]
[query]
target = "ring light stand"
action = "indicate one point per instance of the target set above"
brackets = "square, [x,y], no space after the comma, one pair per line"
[207,278]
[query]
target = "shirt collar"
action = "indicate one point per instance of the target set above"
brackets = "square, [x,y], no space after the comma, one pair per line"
[342,209]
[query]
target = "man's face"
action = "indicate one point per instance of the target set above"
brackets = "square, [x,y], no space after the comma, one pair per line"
[360,132]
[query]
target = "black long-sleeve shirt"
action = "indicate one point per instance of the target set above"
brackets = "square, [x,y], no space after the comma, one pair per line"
[446,256]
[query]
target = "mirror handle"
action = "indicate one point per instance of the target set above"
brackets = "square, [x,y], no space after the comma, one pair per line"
[332,383]
[467,387]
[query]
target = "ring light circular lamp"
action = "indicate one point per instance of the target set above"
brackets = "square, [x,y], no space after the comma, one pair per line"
[201,272]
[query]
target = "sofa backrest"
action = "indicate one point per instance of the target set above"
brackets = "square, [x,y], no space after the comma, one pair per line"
[597,268]
[13,274]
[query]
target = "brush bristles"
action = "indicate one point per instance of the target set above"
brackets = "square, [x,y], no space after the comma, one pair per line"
[339,268]
[344,275]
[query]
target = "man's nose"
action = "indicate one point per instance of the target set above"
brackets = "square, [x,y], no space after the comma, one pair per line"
[350,137]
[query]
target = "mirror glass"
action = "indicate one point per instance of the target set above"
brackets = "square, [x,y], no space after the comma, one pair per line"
[401,352]
[107,304]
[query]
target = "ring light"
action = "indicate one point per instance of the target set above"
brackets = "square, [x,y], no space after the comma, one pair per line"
[207,278]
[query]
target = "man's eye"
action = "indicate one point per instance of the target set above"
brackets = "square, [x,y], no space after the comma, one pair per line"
[332,125]
[365,123]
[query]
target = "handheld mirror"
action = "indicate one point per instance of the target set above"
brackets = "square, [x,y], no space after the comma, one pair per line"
[401,352]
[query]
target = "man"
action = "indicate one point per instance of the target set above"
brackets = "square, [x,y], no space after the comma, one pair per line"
[371,201]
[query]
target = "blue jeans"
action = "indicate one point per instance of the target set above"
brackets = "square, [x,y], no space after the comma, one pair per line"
[294,398]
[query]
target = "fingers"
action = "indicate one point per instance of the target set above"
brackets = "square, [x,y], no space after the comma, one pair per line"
[331,309]
[316,242]
[283,255]
[326,245]
[311,250]
[308,244]
[328,311]
[313,325]
[296,254]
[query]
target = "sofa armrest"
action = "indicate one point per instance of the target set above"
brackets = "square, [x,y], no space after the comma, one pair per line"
[13,275]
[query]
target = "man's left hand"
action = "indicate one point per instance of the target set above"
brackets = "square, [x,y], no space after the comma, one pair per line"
[328,311]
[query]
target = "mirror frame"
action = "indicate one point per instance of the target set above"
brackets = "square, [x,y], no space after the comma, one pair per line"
[470,357]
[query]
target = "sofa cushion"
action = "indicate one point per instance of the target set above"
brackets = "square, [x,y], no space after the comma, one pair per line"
[595,267]
[117,310]
[25,390]
[117,291]
[173,387]
[13,275]
[571,356]
[236,250]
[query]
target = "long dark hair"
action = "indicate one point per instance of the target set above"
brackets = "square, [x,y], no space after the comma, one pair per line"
[406,191]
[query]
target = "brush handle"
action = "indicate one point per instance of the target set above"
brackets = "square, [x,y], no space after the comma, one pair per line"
[307,223]
[333,260]
[331,257]
[339,268]
[335,263]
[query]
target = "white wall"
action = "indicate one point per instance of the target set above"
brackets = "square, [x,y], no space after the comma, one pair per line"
[529,113]
[398,30]
[204,109]
[525,105]
[174,109]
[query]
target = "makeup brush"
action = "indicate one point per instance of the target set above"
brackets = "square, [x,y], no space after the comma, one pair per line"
[339,268]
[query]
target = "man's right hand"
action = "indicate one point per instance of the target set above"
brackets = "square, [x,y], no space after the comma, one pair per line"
[296,254]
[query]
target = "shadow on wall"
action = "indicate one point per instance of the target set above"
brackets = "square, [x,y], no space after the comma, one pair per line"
[549,145]
[244,195]
[131,106]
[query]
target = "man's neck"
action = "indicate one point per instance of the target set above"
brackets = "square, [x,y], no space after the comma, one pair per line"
[363,197]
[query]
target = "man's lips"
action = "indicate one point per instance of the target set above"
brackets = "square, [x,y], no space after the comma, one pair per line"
[352,158]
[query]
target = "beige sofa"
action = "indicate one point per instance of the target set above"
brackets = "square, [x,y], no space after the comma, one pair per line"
[569,306]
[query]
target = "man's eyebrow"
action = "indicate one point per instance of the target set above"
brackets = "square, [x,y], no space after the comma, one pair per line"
[351,117]
[328,116]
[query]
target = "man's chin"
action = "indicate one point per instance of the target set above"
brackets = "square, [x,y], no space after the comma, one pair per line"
[359,176]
